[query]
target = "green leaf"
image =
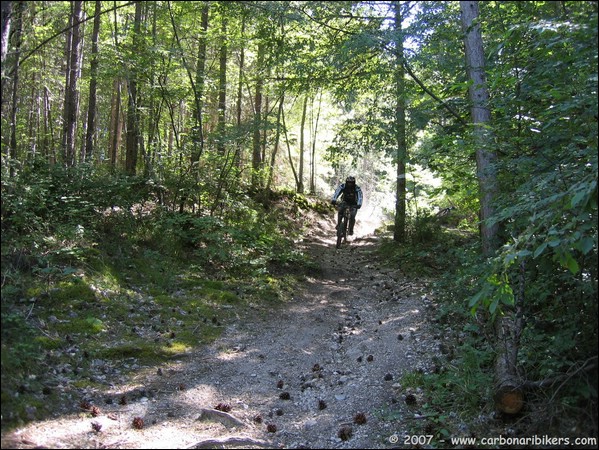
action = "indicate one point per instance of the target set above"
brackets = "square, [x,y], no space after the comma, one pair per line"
[567,260]
[586,244]
[493,306]
[540,249]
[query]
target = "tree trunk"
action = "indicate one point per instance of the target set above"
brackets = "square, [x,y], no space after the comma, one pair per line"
[289,149]
[222,89]
[15,83]
[91,112]
[481,117]
[256,151]
[508,396]
[72,78]
[313,155]
[198,133]
[399,233]
[300,175]
[239,150]
[115,131]
[6,24]
[132,112]
[273,156]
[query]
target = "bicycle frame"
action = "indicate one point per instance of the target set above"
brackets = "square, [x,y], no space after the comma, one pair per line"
[342,229]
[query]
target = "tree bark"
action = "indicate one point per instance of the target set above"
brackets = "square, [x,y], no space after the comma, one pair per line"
[115,131]
[72,92]
[481,118]
[300,175]
[239,146]
[275,150]
[91,111]
[313,154]
[509,397]
[132,112]
[15,83]
[222,88]
[6,24]
[256,150]
[399,232]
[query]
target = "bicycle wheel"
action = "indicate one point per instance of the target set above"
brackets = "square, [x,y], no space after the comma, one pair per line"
[342,231]
[340,235]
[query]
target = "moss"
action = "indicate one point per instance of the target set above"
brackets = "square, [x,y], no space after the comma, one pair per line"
[48,343]
[89,325]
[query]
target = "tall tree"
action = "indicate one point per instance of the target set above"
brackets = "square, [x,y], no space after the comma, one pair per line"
[132,144]
[239,109]
[509,397]
[399,233]
[481,118]
[15,81]
[313,152]
[222,86]
[256,149]
[6,23]
[93,82]
[300,171]
[71,85]
[200,76]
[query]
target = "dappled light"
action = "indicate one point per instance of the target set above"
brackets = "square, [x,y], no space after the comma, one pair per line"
[173,273]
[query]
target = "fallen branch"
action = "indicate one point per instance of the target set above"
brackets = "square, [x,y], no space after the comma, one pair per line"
[220,416]
[243,442]
[586,366]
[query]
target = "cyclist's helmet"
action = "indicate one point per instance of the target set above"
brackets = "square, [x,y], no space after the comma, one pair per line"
[350,181]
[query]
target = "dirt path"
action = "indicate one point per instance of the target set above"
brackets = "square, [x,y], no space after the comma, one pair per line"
[292,377]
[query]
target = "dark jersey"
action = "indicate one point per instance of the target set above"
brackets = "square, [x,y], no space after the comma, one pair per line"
[351,196]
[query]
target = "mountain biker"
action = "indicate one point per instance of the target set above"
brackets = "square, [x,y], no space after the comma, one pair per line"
[351,197]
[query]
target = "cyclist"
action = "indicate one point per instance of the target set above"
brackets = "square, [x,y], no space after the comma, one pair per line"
[352,197]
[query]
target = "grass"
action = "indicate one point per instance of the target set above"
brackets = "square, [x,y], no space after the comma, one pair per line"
[130,295]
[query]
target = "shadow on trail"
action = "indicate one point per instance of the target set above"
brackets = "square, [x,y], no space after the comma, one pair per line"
[292,375]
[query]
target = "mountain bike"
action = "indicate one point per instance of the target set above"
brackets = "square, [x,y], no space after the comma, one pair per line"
[343,225]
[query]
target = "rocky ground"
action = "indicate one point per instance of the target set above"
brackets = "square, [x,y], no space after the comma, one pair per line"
[324,371]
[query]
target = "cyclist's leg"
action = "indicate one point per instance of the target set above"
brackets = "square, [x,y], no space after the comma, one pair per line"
[352,220]
[339,217]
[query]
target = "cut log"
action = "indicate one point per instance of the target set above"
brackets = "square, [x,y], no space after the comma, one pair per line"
[509,395]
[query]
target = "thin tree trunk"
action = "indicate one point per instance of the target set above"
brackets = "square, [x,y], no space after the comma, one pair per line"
[20,7]
[289,150]
[273,156]
[399,233]
[6,25]
[239,151]
[114,135]
[72,92]
[222,88]
[47,146]
[91,112]
[313,154]
[198,133]
[132,111]
[256,151]
[300,175]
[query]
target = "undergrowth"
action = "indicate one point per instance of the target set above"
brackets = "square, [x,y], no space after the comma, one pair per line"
[99,281]
[556,343]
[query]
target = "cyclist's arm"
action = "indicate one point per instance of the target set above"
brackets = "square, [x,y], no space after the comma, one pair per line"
[338,192]
[359,196]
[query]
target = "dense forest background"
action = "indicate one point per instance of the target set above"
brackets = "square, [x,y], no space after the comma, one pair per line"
[144,140]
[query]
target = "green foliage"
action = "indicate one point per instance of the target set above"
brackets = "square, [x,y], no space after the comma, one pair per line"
[91,262]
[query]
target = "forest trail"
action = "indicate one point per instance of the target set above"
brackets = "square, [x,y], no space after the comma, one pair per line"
[298,376]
